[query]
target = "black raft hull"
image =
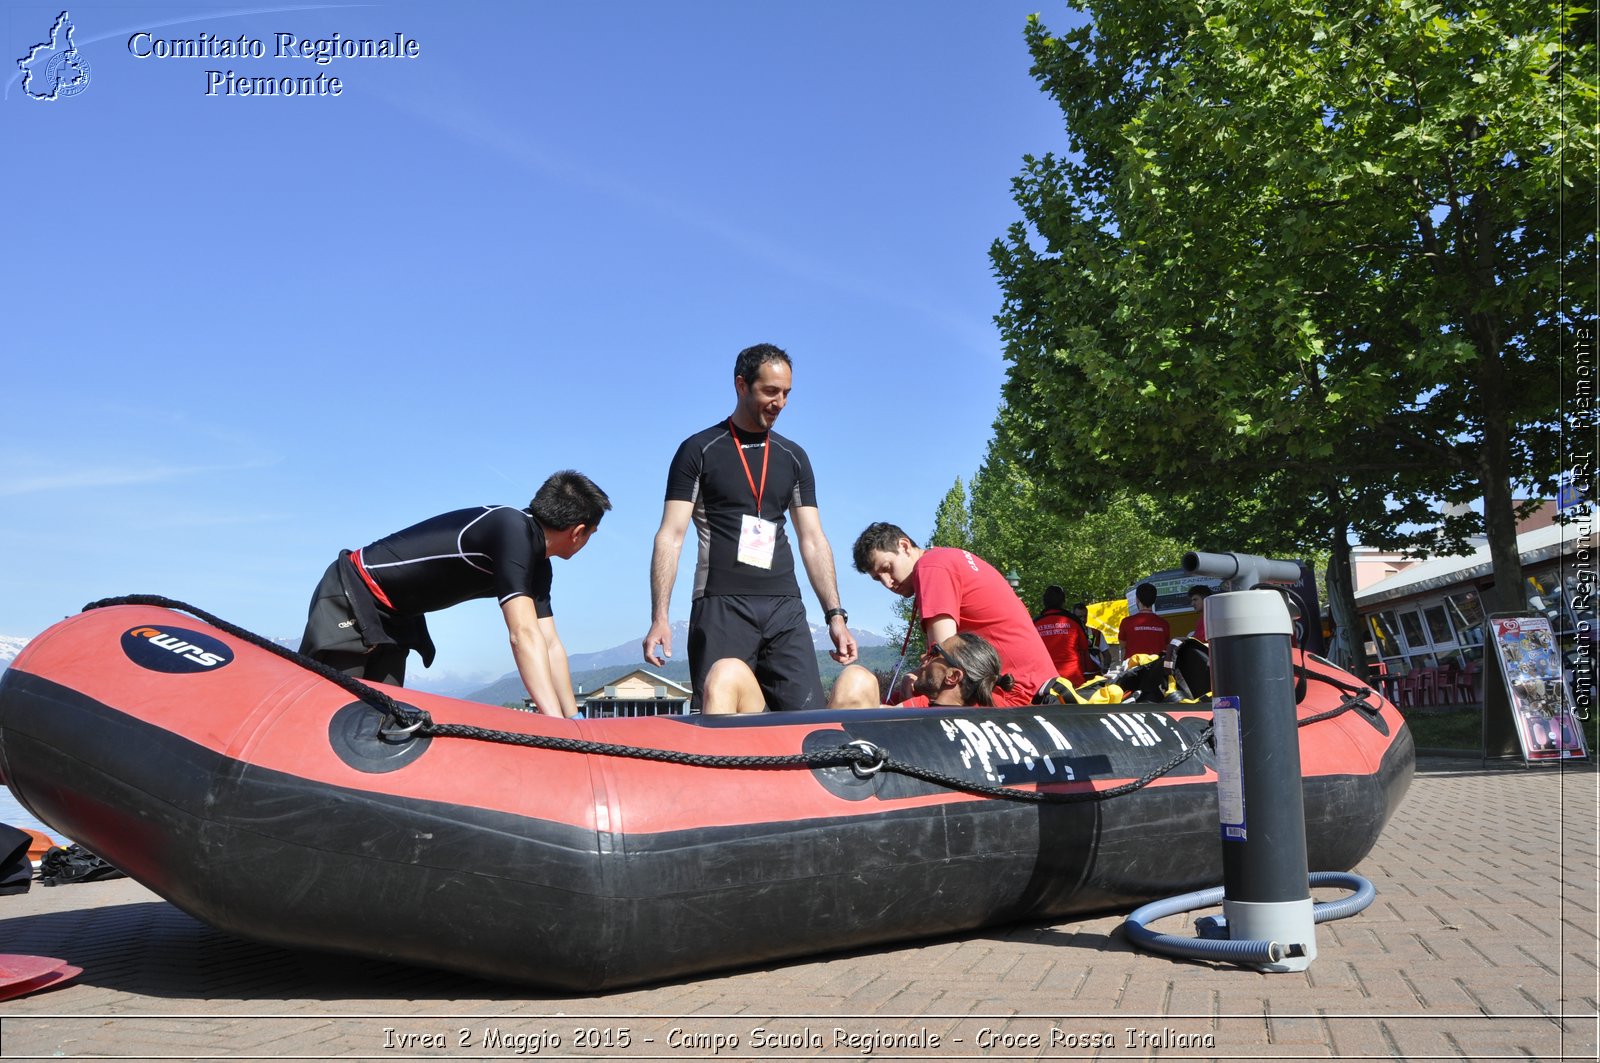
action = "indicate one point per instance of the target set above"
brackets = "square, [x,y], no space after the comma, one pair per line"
[253,796]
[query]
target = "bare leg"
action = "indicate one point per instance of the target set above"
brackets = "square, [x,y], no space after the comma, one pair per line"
[856,688]
[731,687]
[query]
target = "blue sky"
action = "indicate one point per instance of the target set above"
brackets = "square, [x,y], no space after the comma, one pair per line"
[245,332]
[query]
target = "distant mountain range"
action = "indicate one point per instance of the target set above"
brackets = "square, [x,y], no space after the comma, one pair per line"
[628,654]
[590,670]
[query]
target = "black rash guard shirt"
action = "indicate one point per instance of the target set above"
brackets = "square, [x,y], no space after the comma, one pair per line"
[486,552]
[707,471]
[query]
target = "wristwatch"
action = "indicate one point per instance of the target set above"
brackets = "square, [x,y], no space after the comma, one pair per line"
[828,616]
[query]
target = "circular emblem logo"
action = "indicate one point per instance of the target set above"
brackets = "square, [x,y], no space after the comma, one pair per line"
[174,649]
[67,74]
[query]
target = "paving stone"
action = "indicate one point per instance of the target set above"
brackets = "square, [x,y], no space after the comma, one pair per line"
[1482,945]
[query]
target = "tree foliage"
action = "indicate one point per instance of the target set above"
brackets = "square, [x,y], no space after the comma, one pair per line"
[1304,261]
[952,521]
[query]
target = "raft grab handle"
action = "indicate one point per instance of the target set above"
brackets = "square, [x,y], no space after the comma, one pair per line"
[867,770]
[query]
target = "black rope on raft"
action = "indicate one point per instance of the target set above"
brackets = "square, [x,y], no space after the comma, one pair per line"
[864,758]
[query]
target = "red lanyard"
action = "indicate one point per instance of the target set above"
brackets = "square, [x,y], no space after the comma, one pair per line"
[906,645]
[766,451]
[900,665]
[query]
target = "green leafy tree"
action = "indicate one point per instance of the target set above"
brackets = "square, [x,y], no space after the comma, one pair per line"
[1307,260]
[952,521]
[1093,553]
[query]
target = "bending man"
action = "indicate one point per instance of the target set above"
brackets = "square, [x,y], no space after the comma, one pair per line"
[953,590]
[369,610]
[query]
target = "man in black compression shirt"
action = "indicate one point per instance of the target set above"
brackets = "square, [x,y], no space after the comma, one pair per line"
[368,611]
[736,480]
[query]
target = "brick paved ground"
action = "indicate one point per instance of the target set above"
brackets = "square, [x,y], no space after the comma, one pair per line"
[1482,945]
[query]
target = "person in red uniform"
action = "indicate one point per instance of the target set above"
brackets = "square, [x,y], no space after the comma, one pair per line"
[1064,636]
[1144,631]
[1197,601]
[1095,664]
[953,590]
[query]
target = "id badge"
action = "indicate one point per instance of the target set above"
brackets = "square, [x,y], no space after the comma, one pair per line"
[757,540]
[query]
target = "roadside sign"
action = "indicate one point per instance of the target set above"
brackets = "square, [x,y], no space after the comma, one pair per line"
[1526,695]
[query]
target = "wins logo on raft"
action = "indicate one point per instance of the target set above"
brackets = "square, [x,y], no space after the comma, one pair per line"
[174,650]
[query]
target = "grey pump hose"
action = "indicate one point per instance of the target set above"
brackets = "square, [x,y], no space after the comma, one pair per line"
[1238,951]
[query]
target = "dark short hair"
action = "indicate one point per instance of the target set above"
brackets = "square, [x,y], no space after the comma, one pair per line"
[1146,593]
[1055,598]
[748,365]
[1201,589]
[569,498]
[879,535]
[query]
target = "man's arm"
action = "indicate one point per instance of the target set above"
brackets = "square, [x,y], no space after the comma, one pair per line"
[529,651]
[817,556]
[663,571]
[560,671]
[938,628]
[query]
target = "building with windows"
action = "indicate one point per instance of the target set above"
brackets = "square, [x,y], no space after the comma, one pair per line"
[1431,613]
[636,693]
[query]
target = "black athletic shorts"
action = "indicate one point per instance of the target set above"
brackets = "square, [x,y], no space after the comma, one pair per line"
[767,632]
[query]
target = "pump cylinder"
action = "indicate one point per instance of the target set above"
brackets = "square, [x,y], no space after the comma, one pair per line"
[1261,805]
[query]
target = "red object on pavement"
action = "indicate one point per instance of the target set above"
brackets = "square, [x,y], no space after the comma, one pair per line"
[21,975]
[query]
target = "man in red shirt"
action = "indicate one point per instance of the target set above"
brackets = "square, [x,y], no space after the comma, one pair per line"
[1144,631]
[953,590]
[1197,601]
[1064,636]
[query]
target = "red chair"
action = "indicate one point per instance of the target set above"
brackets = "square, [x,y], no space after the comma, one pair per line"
[1467,682]
[1426,680]
[1383,681]
[1444,687]
[1386,683]
[1392,686]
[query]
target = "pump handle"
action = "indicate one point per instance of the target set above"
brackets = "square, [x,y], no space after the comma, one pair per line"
[1244,570]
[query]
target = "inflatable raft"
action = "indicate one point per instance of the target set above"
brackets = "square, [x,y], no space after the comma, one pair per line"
[271,803]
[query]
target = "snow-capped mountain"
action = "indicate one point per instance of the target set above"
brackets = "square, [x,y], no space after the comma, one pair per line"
[603,665]
[627,654]
[865,638]
[10,646]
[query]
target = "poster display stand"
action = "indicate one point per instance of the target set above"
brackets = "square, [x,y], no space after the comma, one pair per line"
[1527,707]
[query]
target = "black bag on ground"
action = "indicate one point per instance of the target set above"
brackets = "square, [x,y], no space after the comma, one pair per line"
[73,864]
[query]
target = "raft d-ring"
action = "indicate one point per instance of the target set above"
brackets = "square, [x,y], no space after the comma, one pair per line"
[869,770]
[399,734]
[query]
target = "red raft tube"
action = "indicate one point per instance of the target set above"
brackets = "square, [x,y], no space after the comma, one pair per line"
[266,800]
